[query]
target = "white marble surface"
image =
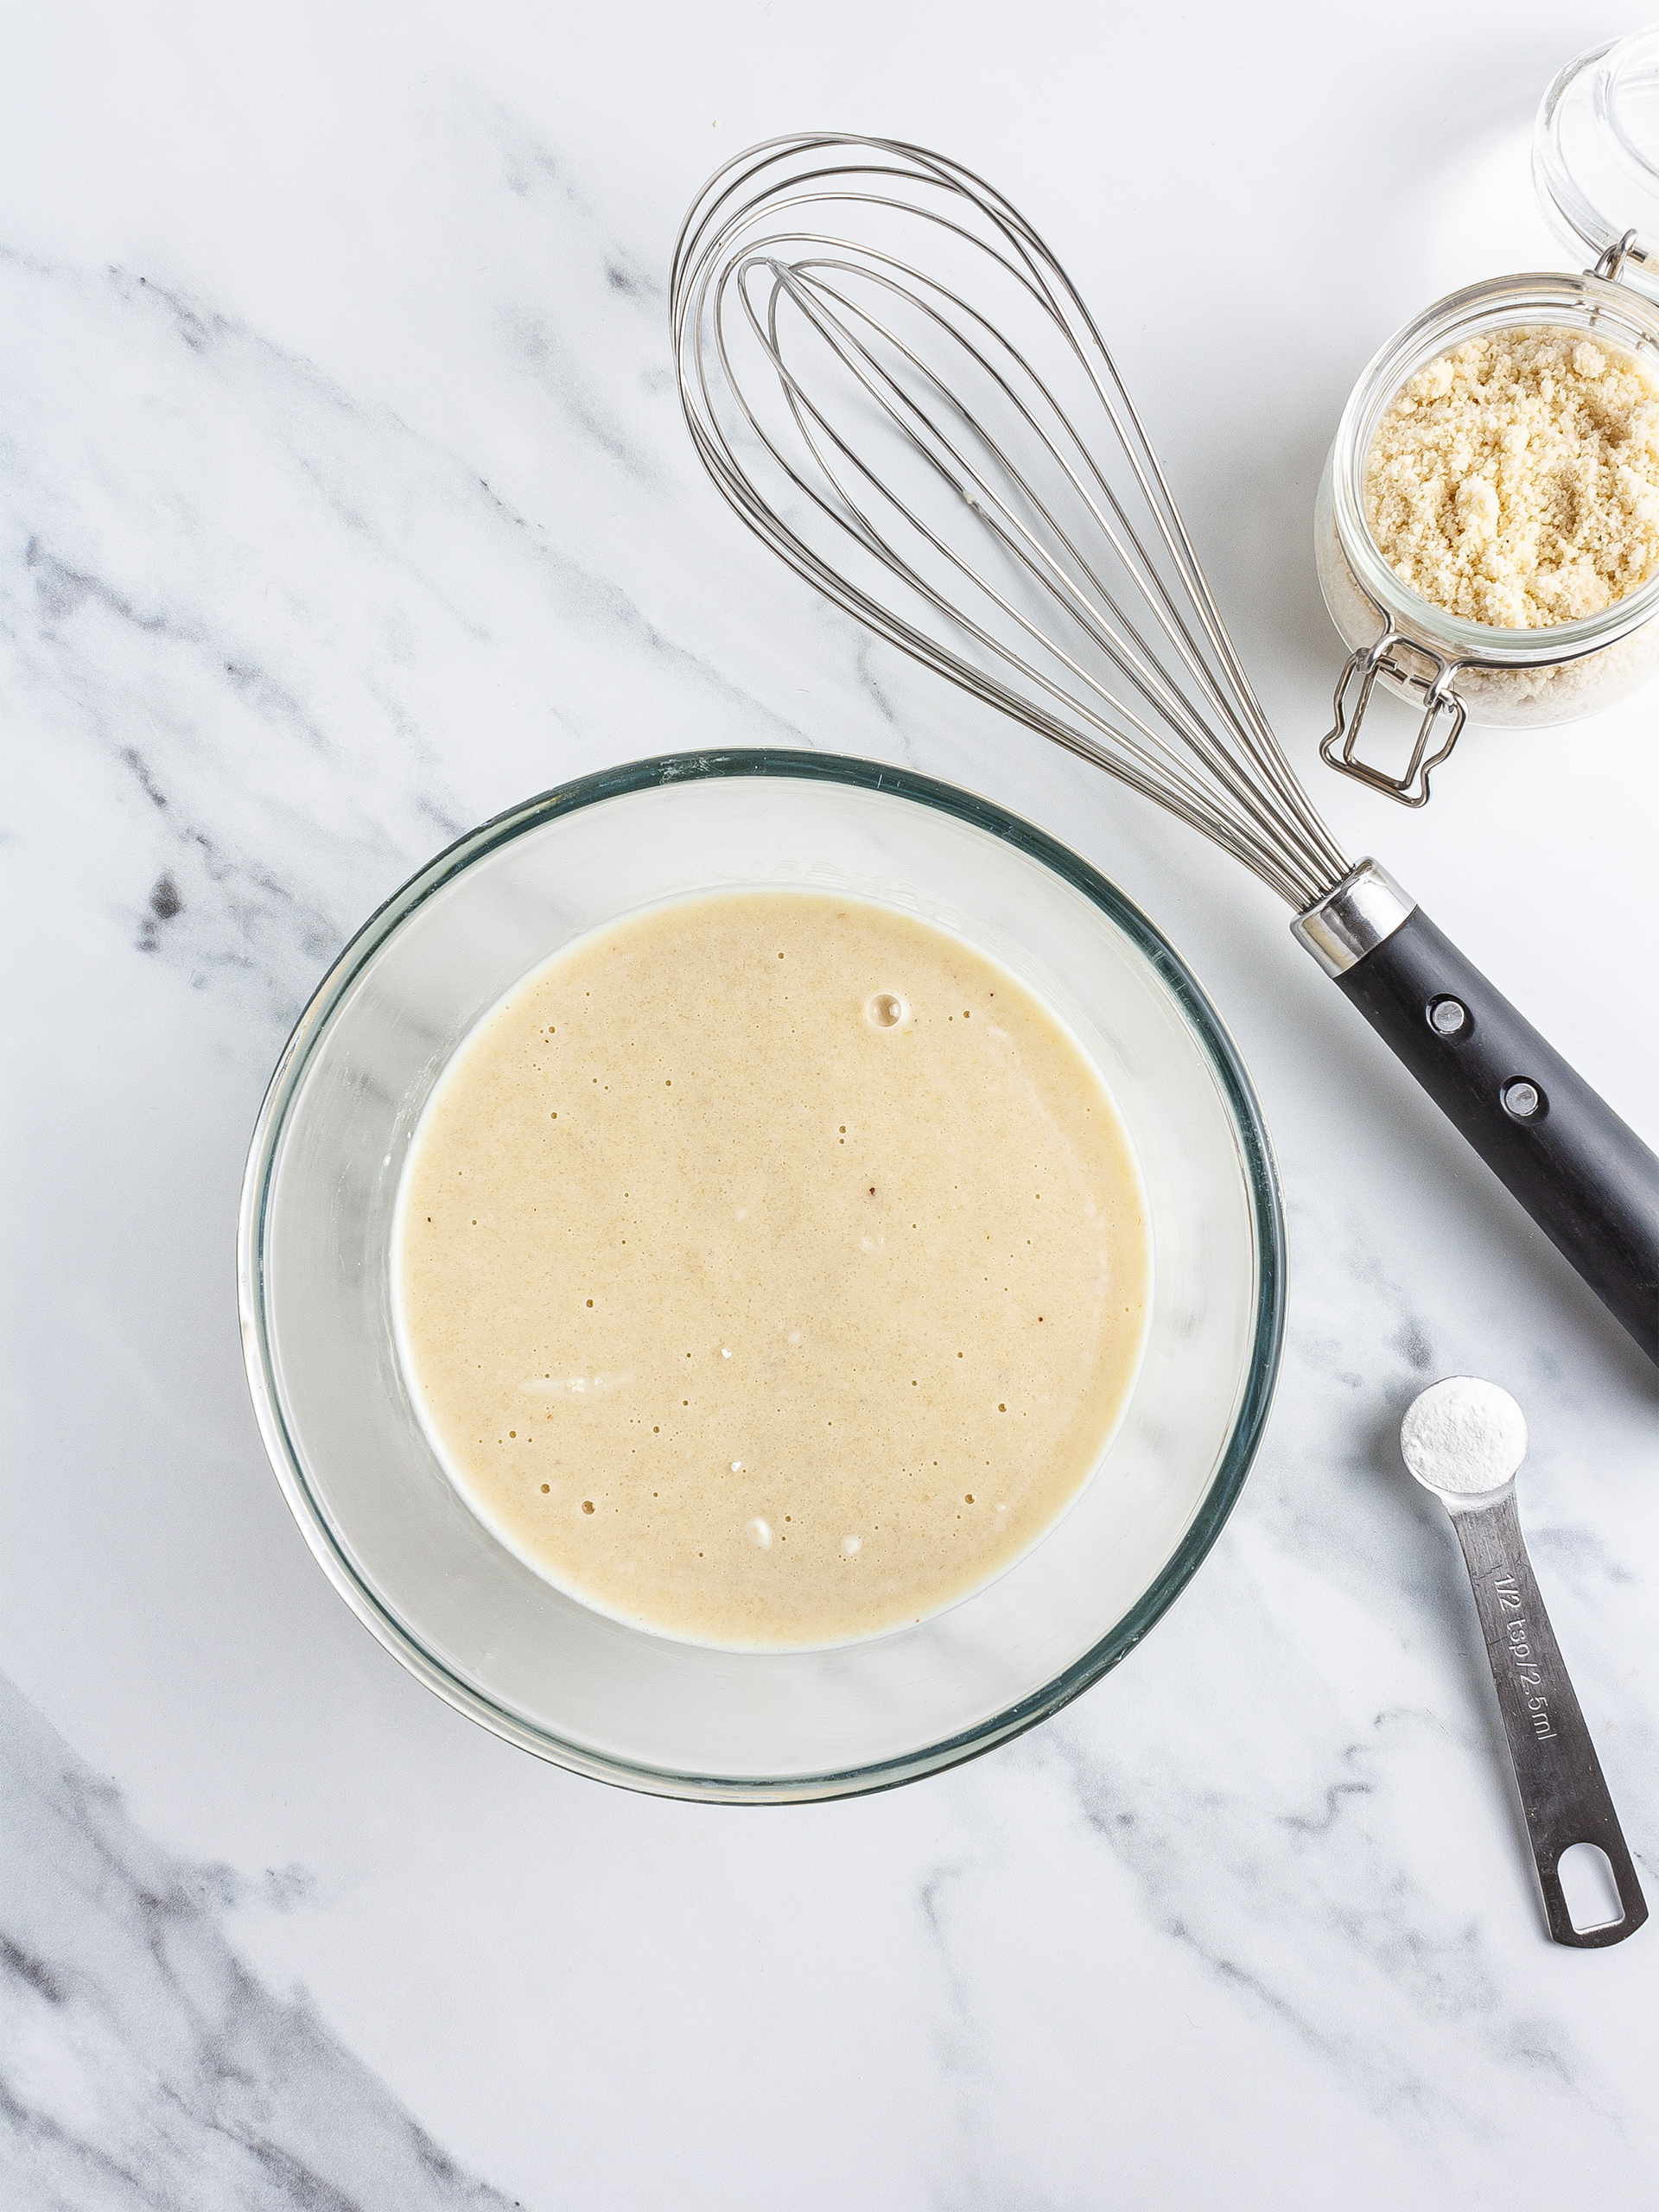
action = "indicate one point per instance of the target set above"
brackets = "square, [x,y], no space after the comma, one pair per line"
[346,501]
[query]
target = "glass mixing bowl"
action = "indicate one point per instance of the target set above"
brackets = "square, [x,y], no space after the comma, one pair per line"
[422,1571]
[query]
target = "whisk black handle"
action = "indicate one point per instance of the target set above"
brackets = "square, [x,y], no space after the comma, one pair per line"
[1584,1177]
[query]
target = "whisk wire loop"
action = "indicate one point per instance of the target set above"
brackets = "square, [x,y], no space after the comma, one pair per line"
[971,481]
[1134,658]
[1025,547]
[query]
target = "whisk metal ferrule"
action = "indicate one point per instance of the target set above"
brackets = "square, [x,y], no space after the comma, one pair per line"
[1366,907]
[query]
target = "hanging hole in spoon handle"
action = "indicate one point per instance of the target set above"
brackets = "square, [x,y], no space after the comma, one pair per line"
[1583,1175]
[1563,1793]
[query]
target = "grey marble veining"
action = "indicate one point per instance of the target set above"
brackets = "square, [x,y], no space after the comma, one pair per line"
[345,501]
[144,2062]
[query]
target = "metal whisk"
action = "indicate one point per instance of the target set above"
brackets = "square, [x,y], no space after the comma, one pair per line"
[897,387]
[887,409]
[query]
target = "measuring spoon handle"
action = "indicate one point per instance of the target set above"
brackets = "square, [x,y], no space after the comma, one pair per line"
[1563,1790]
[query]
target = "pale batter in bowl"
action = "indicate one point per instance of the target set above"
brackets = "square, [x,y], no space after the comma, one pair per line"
[774,1268]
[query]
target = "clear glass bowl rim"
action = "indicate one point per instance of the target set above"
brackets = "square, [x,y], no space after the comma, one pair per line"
[1266,1213]
[1414,344]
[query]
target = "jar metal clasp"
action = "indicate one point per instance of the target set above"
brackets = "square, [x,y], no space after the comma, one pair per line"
[1611,265]
[1367,663]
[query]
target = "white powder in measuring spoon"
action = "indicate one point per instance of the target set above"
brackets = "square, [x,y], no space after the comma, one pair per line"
[1463,1435]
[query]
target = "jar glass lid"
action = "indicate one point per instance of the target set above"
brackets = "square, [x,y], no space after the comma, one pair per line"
[1595,154]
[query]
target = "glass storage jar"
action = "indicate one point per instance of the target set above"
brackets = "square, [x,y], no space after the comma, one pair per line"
[1594,123]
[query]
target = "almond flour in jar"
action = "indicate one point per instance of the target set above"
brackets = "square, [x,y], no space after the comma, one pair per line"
[1489,501]
[1515,480]
[1486,529]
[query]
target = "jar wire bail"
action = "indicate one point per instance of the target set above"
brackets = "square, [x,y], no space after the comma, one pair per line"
[1338,747]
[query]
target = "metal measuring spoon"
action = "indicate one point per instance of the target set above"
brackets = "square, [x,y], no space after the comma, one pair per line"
[1464,1440]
